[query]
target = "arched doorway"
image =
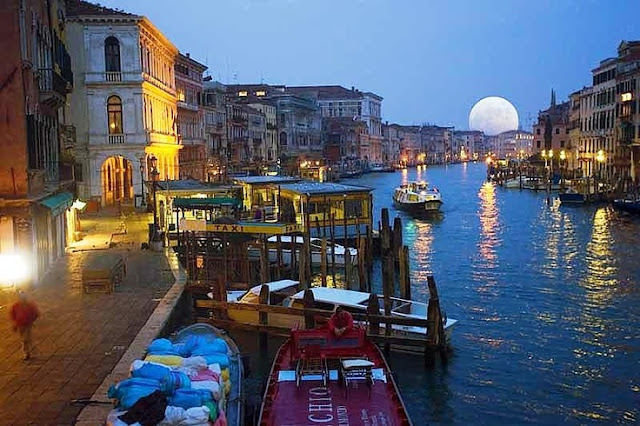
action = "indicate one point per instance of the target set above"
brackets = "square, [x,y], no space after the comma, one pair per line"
[117,180]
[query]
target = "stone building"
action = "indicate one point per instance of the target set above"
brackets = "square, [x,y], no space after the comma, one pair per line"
[551,132]
[391,141]
[338,101]
[215,117]
[627,150]
[36,183]
[436,143]
[237,135]
[257,135]
[189,88]
[469,143]
[343,141]
[124,108]
[269,151]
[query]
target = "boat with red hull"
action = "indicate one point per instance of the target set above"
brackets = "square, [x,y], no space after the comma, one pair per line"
[319,379]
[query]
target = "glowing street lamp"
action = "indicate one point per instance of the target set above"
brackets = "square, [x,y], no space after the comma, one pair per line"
[563,156]
[14,269]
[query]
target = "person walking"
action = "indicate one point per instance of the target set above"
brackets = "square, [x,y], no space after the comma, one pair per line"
[23,314]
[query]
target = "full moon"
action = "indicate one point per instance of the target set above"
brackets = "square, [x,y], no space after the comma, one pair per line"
[493,115]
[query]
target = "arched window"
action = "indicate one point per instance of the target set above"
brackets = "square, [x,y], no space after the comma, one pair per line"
[283,139]
[114,112]
[112,54]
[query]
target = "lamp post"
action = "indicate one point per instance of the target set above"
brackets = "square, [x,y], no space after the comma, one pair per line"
[153,162]
[142,201]
[600,158]
[563,157]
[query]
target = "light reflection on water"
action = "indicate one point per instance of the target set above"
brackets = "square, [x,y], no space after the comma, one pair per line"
[547,299]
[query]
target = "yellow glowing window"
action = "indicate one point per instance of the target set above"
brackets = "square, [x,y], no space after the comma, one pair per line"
[261,93]
[626,97]
[242,93]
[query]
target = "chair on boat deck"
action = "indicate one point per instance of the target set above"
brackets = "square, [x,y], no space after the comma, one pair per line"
[355,369]
[312,362]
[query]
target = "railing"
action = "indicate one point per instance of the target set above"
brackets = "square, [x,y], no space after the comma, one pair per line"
[113,76]
[50,81]
[116,139]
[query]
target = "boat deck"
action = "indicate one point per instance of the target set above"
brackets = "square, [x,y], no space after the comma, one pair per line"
[312,401]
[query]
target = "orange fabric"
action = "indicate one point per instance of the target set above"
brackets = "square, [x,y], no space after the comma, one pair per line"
[23,314]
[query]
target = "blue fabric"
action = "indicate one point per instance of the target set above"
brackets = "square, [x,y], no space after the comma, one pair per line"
[161,347]
[129,391]
[175,380]
[151,371]
[212,347]
[188,398]
[221,359]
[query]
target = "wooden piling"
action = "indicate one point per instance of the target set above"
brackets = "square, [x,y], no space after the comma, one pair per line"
[279,260]
[397,240]
[435,331]
[362,259]
[405,271]
[264,261]
[348,270]
[263,317]
[309,303]
[302,266]
[373,308]
[323,261]
[332,222]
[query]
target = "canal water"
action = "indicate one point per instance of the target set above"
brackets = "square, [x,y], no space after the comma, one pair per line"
[547,298]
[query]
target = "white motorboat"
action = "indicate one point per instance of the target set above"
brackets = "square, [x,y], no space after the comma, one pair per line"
[316,250]
[517,182]
[356,301]
[417,197]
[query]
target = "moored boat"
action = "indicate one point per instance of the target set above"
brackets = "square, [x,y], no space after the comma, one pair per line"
[333,251]
[572,196]
[194,378]
[357,301]
[317,378]
[630,205]
[417,197]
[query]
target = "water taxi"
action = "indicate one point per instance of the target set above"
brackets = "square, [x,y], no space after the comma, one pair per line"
[417,197]
[317,378]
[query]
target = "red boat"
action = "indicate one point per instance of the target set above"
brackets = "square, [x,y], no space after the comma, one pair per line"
[319,379]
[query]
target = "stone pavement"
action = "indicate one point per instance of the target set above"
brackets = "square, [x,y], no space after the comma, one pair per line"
[79,338]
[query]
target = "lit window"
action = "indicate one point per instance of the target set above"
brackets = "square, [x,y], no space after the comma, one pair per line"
[626,97]
[242,93]
[114,113]
[261,93]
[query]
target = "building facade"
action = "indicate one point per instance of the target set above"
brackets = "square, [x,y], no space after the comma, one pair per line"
[215,117]
[193,156]
[269,152]
[124,108]
[391,141]
[36,185]
[627,150]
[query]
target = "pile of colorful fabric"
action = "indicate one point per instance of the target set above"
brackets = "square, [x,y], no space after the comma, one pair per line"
[185,384]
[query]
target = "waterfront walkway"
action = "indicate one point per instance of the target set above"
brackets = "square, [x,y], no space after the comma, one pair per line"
[79,338]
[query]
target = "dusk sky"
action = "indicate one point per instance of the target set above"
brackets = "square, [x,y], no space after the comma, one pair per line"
[430,60]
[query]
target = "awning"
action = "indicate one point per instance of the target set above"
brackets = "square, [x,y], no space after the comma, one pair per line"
[204,203]
[58,203]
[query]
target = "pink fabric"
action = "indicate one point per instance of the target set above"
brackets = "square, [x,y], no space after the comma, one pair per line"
[221,420]
[204,375]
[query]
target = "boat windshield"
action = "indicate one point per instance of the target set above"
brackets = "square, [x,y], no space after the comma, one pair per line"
[419,186]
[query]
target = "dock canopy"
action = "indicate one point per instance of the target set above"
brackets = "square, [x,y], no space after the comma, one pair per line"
[323,188]
[58,203]
[204,203]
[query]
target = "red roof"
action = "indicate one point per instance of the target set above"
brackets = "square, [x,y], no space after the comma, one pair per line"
[80,8]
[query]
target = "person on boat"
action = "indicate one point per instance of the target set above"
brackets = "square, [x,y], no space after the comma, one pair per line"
[341,321]
[23,314]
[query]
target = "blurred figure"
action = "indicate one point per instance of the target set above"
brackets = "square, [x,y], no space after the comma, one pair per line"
[23,314]
[341,321]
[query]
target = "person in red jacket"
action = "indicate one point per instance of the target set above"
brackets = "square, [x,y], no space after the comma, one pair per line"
[341,321]
[23,314]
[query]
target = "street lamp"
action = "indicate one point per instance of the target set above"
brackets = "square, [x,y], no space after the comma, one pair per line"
[14,270]
[600,158]
[142,201]
[153,163]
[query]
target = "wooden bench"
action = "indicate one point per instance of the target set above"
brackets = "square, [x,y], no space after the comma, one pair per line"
[103,272]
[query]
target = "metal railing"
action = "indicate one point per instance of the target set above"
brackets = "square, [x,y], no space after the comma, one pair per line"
[113,76]
[116,139]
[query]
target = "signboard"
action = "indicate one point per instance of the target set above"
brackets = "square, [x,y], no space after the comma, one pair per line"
[240,227]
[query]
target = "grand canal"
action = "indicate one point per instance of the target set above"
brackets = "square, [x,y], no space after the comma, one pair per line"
[547,297]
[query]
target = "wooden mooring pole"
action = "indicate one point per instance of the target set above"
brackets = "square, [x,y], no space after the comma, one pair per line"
[405,273]
[435,332]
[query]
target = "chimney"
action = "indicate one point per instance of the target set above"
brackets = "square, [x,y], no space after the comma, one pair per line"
[188,55]
[353,89]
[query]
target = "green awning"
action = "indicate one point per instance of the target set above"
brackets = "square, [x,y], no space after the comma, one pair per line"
[204,203]
[58,203]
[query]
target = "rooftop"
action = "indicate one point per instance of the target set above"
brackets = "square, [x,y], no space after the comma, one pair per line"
[254,180]
[80,7]
[307,187]
[192,185]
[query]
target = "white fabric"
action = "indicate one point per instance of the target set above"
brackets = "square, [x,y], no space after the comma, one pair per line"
[215,368]
[356,363]
[113,420]
[210,385]
[173,416]
[197,362]
[196,416]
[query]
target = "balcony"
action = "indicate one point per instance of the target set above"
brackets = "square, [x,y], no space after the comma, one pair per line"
[112,77]
[67,136]
[116,139]
[186,105]
[52,87]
